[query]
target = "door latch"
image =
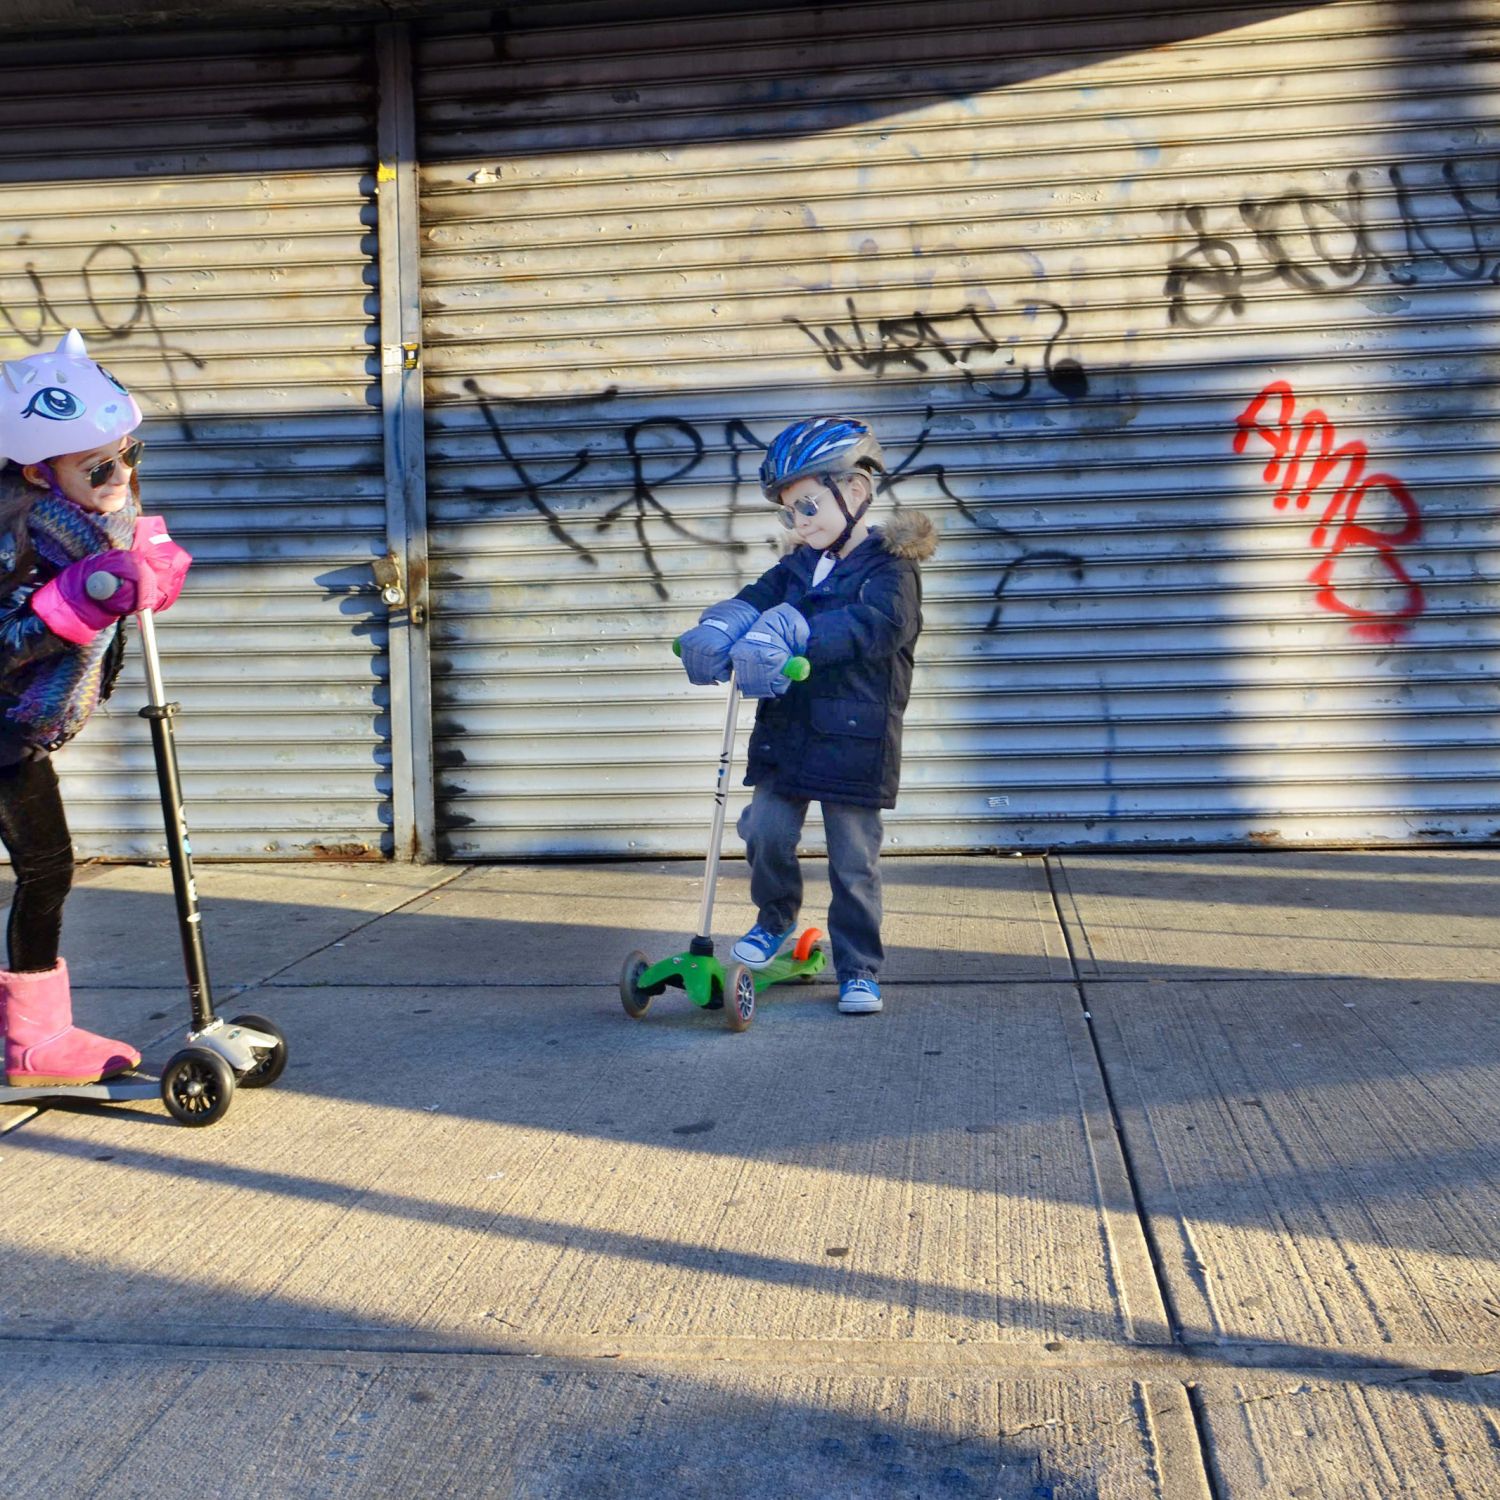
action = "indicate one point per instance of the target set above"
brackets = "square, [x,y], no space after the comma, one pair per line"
[391,581]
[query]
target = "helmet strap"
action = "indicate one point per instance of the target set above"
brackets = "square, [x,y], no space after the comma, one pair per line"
[851,519]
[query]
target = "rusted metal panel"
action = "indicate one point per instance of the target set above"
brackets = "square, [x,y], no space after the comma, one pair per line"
[200,205]
[1180,320]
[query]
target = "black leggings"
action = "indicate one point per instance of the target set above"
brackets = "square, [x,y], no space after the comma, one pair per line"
[35,832]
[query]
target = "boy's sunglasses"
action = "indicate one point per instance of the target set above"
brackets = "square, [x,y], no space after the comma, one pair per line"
[101,474]
[789,513]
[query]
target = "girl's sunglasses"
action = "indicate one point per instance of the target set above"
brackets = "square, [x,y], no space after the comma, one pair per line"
[101,474]
[789,513]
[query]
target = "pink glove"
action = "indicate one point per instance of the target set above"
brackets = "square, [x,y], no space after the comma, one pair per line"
[167,562]
[68,603]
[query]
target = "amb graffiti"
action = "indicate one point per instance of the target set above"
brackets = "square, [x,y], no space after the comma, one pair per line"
[1318,243]
[1314,442]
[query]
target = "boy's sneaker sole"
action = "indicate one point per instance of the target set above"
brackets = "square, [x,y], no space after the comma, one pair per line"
[860,1005]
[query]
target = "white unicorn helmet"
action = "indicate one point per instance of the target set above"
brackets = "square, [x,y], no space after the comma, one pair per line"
[61,402]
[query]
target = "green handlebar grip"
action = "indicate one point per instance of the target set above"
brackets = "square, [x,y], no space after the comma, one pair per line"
[797,668]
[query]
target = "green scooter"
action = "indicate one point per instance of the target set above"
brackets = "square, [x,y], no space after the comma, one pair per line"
[709,983]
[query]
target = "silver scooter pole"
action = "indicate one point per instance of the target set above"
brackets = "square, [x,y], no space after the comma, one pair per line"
[158,714]
[796,669]
[703,943]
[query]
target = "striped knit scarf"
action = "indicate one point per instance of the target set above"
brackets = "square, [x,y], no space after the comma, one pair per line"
[59,692]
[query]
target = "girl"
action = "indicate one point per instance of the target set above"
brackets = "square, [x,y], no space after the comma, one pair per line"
[75,558]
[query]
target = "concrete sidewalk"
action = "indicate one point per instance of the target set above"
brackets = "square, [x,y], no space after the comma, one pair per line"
[1159,1176]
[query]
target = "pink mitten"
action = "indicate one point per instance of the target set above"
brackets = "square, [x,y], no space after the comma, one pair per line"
[167,561]
[70,603]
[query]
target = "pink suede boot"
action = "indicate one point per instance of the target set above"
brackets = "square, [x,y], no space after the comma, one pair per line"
[42,1045]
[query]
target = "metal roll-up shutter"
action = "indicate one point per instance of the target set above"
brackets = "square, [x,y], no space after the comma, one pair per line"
[199,206]
[1179,319]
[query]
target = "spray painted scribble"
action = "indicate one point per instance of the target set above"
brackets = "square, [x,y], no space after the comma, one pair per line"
[663,451]
[527,482]
[1313,242]
[642,500]
[38,318]
[902,472]
[1314,442]
[964,341]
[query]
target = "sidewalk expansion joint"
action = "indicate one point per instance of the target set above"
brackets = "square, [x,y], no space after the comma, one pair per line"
[1198,1414]
[611,986]
[1137,1198]
[1187,1362]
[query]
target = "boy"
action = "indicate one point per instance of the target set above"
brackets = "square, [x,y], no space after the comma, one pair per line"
[848,597]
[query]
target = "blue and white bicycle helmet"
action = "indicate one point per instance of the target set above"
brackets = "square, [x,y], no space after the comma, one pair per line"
[819,446]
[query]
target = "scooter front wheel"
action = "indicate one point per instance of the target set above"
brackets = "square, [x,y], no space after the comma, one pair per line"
[635,1000]
[269,1061]
[739,998]
[197,1086]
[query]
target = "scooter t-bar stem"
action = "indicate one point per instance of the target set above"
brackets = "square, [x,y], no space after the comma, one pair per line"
[156,693]
[795,669]
[716,838]
[158,714]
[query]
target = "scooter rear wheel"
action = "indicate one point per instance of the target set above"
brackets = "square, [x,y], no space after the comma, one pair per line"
[197,1086]
[739,998]
[635,1000]
[805,944]
[269,1061]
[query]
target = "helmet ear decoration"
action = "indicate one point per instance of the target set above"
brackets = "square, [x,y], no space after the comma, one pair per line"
[61,401]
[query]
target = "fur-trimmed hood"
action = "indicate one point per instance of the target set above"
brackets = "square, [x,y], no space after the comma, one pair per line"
[911,534]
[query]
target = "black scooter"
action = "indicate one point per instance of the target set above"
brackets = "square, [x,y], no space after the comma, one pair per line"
[198,1083]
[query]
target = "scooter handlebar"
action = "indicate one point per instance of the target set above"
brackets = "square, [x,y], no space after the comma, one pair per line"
[796,668]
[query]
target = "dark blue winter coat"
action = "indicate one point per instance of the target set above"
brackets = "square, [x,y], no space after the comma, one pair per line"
[837,736]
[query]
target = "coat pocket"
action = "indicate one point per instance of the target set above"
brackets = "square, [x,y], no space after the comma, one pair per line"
[847,743]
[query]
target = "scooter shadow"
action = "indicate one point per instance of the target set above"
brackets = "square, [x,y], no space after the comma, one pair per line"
[143,1113]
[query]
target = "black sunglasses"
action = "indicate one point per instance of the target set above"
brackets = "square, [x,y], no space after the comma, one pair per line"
[101,474]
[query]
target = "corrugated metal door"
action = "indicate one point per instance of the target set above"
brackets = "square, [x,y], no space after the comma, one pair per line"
[1180,321]
[200,207]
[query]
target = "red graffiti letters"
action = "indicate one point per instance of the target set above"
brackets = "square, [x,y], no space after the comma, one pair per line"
[1307,457]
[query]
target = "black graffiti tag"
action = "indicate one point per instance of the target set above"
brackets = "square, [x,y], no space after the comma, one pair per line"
[961,341]
[665,450]
[1321,243]
[527,483]
[1026,557]
[642,500]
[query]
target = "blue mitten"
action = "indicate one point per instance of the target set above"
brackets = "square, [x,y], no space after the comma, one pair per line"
[705,648]
[760,654]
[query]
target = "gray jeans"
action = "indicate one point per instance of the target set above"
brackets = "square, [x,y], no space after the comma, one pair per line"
[771,826]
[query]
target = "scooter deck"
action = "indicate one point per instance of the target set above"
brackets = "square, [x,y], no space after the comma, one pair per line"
[784,966]
[123,1086]
[702,975]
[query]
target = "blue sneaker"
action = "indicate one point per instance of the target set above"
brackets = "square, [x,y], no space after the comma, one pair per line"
[759,946]
[859,997]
